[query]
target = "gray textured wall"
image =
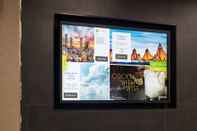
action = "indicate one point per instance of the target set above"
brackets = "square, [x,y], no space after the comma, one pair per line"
[37,71]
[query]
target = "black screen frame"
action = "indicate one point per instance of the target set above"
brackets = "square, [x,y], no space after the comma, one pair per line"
[112,22]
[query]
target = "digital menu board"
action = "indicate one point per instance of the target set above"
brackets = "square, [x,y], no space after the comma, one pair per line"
[109,63]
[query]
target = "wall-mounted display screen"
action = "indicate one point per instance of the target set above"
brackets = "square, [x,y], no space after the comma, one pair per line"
[112,63]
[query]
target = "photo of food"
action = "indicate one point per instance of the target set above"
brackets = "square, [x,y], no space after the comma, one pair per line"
[78,43]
